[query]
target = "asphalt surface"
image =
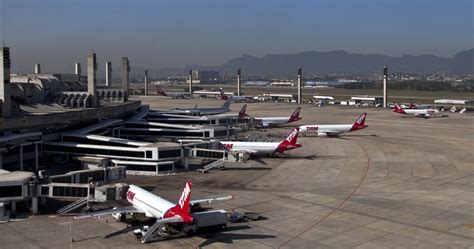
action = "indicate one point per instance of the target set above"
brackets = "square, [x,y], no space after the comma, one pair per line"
[400,183]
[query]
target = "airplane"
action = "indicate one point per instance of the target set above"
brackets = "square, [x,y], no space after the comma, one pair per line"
[420,113]
[209,93]
[263,148]
[334,130]
[207,110]
[242,114]
[224,96]
[275,121]
[174,95]
[151,205]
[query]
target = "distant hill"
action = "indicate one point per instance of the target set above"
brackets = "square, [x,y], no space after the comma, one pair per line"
[338,61]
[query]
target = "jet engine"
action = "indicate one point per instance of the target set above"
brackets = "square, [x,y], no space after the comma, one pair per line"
[120,216]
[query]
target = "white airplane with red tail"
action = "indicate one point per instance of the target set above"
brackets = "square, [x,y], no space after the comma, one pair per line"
[334,130]
[421,113]
[224,96]
[151,205]
[275,121]
[264,148]
[174,95]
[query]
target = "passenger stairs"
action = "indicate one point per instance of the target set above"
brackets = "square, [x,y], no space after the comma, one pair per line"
[72,206]
[218,163]
[154,233]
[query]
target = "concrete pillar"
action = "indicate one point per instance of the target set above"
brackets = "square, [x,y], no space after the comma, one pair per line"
[125,77]
[385,75]
[92,78]
[146,82]
[34,205]
[77,69]
[108,73]
[190,83]
[239,90]
[299,85]
[5,99]
[14,207]
[36,158]
[21,157]
[37,68]
[186,162]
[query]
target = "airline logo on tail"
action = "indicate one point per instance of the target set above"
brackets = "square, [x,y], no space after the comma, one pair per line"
[399,109]
[182,207]
[160,91]
[130,196]
[185,194]
[359,123]
[295,116]
[290,142]
[242,113]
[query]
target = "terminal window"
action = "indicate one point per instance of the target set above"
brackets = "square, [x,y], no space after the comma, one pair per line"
[10,191]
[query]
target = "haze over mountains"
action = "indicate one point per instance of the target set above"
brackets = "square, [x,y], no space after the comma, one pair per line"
[338,61]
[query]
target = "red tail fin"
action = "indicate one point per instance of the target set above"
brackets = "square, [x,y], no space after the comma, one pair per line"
[295,116]
[289,142]
[359,123]
[182,207]
[160,91]
[399,109]
[242,113]
[222,94]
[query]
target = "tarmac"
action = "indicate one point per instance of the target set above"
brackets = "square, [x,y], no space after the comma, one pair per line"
[400,183]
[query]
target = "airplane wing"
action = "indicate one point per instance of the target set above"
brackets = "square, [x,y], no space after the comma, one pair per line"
[211,199]
[128,209]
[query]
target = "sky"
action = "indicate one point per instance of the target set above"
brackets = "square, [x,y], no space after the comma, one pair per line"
[175,33]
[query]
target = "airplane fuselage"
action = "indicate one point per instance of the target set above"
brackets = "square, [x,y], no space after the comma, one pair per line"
[152,205]
[418,112]
[272,121]
[317,129]
[256,147]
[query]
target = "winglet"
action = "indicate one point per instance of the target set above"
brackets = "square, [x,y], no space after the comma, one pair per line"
[242,113]
[289,142]
[295,116]
[359,123]
[182,207]
[399,109]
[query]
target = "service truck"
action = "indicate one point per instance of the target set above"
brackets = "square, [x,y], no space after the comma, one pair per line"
[207,219]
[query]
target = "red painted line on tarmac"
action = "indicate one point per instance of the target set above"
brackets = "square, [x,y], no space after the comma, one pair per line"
[340,204]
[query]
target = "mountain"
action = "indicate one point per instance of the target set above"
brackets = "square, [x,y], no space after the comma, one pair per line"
[340,61]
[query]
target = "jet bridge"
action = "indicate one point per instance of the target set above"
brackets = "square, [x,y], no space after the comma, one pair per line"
[208,153]
[147,129]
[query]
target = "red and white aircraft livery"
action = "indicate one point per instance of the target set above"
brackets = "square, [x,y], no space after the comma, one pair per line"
[262,148]
[174,95]
[275,121]
[165,212]
[334,130]
[241,114]
[421,113]
[234,98]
